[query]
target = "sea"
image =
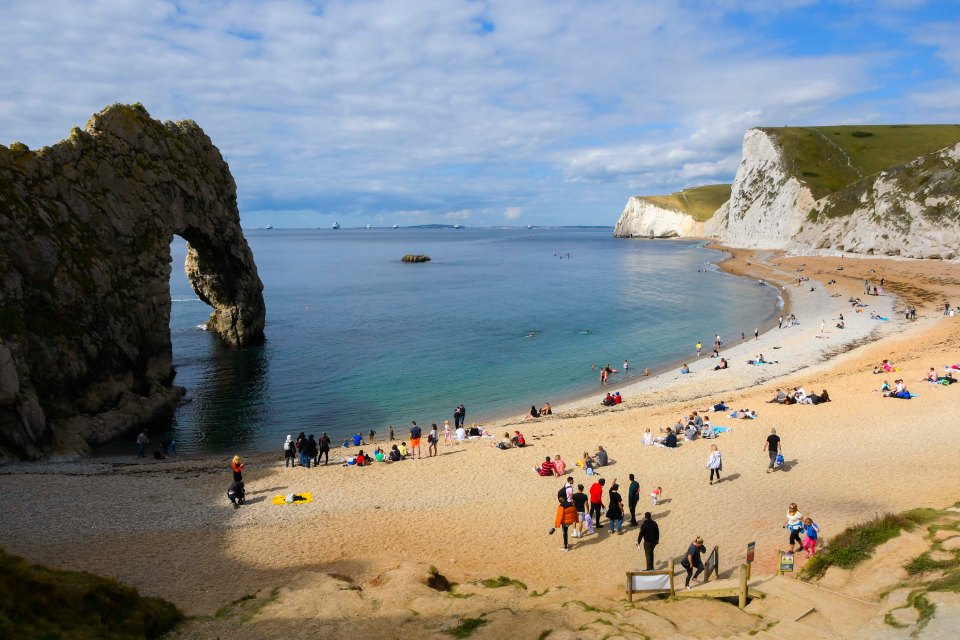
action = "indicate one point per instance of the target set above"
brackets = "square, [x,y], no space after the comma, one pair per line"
[498,320]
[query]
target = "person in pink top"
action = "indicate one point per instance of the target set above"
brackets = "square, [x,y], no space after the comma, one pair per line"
[559,466]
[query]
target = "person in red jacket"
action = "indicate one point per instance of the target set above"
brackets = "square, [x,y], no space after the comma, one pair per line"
[596,501]
[237,467]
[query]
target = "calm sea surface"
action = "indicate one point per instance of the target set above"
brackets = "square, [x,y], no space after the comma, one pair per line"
[499,320]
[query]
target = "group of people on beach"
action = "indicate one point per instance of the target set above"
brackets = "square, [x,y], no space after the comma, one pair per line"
[798,395]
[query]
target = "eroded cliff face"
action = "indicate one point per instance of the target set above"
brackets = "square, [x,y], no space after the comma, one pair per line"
[85,233]
[767,204]
[912,211]
[644,219]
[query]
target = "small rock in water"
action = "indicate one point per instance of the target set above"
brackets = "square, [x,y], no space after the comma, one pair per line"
[415,258]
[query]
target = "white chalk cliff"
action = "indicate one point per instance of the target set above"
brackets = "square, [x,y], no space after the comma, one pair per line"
[912,210]
[642,218]
[767,204]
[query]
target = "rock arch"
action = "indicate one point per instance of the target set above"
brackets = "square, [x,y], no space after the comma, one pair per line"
[85,233]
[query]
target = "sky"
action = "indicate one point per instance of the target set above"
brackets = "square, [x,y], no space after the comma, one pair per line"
[477,112]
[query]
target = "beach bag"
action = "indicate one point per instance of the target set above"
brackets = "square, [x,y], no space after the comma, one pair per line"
[779,461]
[589,471]
[587,520]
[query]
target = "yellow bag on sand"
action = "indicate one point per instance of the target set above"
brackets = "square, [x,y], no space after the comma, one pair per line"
[307,497]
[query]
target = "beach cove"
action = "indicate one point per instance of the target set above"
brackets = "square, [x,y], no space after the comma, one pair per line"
[476,512]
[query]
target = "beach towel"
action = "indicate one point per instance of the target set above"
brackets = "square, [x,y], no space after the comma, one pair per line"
[298,498]
[722,429]
[882,318]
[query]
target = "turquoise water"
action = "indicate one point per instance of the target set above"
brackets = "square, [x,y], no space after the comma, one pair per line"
[499,320]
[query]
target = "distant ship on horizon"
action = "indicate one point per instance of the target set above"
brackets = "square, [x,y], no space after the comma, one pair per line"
[336,225]
[369,226]
[396,226]
[457,226]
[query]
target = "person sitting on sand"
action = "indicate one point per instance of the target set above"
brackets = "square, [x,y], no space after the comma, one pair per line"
[545,468]
[402,448]
[697,420]
[361,458]
[744,414]
[601,457]
[947,379]
[378,454]
[647,439]
[461,433]
[518,439]
[559,466]
[533,413]
[505,442]
[690,433]
[608,401]
[886,366]
[824,397]
[722,365]
[616,398]
[670,441]
[779,398]
[545,410]
[930,377]
[685,368]
[395,454]
[707,430]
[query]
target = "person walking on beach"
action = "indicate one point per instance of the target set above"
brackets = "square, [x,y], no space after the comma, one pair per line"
[615,510]
[692,561]
[794,525]
[596,501]
[773,449]
[390,433]
[142,442]
[580,500]
[780,323]
[811,531]
[715,463]
[463,413]
[289,451]
[650,537]
[447,433]
[756,333]
[633,498]
[415,433]
[432,439]
[699,347]
[323,448]
[822,325]
[237,467]
[456,416]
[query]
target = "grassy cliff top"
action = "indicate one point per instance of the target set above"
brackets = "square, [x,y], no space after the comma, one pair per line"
[699,202]
[831,158]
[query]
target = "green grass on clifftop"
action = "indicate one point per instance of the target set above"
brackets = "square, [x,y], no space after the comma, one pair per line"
[37,602]
[700,203]
[830,158]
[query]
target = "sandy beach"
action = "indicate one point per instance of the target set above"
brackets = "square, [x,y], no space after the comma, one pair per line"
[476,512]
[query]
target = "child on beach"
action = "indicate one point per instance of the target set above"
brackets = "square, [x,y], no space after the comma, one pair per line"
[655,495]
[447,433]
[812,531]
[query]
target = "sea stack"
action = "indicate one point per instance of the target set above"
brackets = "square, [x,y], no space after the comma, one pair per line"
[85,233]
[415,258]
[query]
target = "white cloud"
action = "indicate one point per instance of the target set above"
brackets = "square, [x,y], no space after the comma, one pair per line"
[512,213]
[415,110]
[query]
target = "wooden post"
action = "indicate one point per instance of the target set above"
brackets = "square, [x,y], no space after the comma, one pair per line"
[748,571]
[744,572]
[673,589]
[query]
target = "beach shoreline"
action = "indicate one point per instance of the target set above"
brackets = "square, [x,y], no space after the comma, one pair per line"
[476,512]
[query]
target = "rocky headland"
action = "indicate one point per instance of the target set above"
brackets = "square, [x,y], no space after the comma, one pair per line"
[678,215]
[889,190]
[85,233]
